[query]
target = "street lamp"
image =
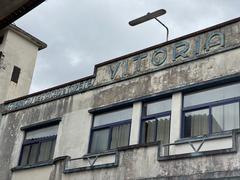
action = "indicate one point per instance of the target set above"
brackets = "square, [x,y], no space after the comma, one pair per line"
[150,16]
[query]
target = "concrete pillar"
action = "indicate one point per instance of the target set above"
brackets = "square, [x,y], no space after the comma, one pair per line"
[176,112]
[136,121]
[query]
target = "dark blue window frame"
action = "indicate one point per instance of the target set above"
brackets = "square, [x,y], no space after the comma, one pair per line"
[38,142]
[153,117]
[208,106]
[145,118]
[110,127]
[26,142]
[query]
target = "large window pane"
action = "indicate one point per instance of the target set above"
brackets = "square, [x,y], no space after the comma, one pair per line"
[163,129]
[99,141]
[112,117]
[225,117]
[120,136]
[148,131]
[45,150]
[211,95]
[158,107]
[43,132]
[196,123]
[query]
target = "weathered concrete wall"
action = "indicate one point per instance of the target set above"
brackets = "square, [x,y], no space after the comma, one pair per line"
[10,127]
[193,72]
[33,174]
[142,164]
[74,128]
[21,53]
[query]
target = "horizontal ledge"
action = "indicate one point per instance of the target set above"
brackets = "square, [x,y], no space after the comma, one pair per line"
[42,124]
[197,154]
[222,135]
[73,170]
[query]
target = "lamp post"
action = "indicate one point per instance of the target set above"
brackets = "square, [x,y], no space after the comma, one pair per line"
[150,16]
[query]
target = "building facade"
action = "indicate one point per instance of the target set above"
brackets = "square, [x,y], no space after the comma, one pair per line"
[170,111]
[18,54]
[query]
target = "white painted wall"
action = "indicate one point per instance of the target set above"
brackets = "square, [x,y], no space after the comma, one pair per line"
[136,123]
[21,53]
[33,174]
[175,127]
[209,145]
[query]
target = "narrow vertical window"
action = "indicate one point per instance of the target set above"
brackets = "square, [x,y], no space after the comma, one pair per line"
[1,39]
[156,122]
[15,74]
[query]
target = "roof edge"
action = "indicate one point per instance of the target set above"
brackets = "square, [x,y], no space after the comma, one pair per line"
[40,44]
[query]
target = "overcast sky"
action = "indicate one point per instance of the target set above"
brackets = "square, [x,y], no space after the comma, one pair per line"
[82,33]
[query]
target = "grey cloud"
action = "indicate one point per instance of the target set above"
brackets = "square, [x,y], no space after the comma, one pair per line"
[82,33]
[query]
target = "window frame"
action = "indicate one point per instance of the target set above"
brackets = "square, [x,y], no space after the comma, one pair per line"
[208,106]
[25,142]
[109,126]
[145,117]
[2,37]
[37,141]
[16,72]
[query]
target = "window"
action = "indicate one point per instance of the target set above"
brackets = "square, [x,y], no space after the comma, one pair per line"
[38,146]
[211,111]
[15,74]
[156,122]
[1,39]
[110,130]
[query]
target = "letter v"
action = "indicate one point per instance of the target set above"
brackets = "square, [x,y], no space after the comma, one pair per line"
[114,69]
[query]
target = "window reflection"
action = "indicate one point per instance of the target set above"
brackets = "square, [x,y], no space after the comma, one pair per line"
[211,95]
[225,117]
[112,117]
[158,107]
